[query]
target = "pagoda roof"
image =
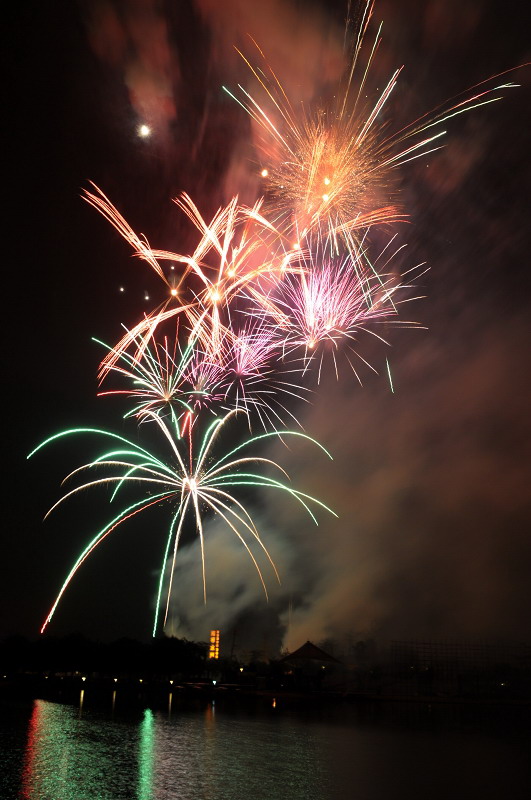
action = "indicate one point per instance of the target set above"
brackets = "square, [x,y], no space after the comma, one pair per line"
[310,652]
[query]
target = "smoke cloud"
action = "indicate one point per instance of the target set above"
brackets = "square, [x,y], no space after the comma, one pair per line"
[430,539]
[303,46]
[431,499]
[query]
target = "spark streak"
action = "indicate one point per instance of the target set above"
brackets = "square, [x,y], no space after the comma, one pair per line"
[296,267]
[197,486]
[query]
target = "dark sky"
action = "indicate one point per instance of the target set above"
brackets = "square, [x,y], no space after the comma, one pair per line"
[431,483]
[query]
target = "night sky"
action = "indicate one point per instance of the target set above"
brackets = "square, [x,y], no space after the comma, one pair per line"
[431,483]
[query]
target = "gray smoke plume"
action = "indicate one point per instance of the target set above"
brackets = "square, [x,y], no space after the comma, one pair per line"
[432,502]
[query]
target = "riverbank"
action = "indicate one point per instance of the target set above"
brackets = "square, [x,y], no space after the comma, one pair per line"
[155,692]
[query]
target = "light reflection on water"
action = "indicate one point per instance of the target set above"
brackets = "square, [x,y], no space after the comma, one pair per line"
[76,753]
[73,755]
[67,758]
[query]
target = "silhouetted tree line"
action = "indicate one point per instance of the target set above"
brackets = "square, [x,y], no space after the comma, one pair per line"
[161,657]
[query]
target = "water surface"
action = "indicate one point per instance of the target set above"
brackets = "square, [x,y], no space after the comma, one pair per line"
[212,750]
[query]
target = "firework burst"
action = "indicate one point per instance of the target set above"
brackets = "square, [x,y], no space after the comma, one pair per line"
[191,481]
[265,294]
[257,376]
[325,306]
[332,165]
[155,379]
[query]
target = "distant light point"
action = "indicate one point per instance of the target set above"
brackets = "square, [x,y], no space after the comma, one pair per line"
[144,131]
[264,173]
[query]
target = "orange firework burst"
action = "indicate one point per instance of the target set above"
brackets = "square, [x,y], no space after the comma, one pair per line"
[237,247]
[330,166]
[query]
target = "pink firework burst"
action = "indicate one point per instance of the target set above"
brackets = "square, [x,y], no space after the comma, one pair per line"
[256,373]
[331,302]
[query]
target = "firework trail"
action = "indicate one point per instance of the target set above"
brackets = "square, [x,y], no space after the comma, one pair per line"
[236,248]
[330,165]
[191,479]
[256,374]
[326,305]
[156,377]
[266,294]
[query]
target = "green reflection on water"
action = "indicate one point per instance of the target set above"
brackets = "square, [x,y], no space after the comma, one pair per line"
[145,756]
[77,753]
[69,758]
[51,739]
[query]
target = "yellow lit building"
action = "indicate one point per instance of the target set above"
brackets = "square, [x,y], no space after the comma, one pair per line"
[213,651]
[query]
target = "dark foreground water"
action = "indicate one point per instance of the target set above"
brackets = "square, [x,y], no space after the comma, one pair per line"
[262,748]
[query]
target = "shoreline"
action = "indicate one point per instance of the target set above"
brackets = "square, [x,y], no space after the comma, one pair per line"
[156,691]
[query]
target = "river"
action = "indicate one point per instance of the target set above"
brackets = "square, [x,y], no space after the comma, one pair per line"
[264,748]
